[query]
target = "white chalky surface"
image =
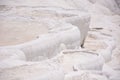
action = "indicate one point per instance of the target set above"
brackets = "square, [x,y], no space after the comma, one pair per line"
[44,39]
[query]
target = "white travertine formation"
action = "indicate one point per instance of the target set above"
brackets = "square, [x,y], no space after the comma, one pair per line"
[33,71]
[82,23]
[84,76]
[80,60]
[59,40]
[49,43]
[11,57]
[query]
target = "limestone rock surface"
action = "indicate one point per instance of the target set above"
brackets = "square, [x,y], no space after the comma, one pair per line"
[59,39]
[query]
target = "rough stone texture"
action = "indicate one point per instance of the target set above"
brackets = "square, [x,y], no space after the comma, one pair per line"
[44,40]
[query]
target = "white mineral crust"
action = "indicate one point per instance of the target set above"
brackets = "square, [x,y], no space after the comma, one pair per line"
[59,40]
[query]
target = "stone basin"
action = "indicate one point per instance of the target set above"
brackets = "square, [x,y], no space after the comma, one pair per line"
[80,60]
[41,32]
[30,36]
[41,39]
[36,31]
[32,16]
[18,32]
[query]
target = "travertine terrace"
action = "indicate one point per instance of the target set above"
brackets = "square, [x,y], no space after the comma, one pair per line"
[59,40]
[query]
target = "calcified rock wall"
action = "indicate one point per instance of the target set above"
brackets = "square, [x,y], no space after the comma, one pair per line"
[44,40]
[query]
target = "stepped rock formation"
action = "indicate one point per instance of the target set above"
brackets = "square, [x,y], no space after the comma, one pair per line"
[59,39]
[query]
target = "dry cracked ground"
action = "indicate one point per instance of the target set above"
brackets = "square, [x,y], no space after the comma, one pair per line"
[59,39]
